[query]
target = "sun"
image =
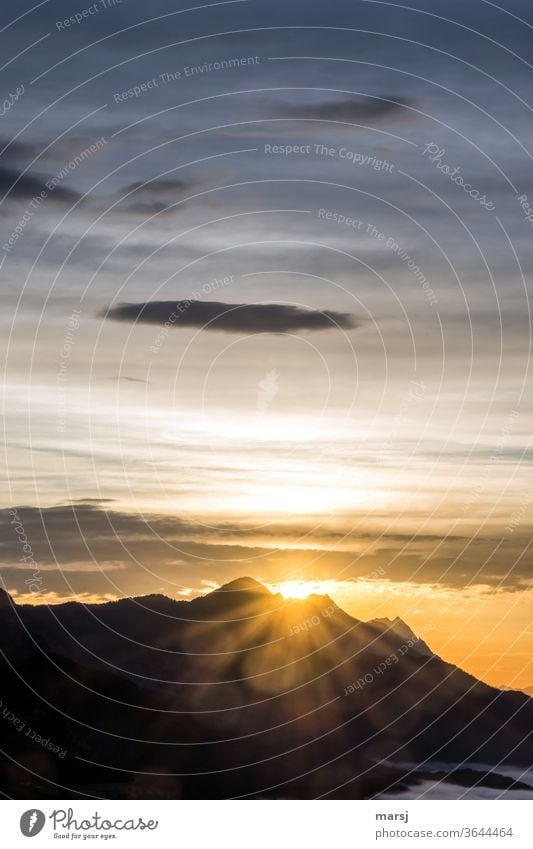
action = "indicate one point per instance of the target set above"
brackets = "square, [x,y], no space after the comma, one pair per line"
[296,589]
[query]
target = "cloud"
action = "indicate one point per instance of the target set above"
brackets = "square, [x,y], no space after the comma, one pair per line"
[128,379]
[16,151]
[82,537]
[25,186]
[21,177]
[350,109]
[232,318]
[157,187]
[153,196]
[93,500]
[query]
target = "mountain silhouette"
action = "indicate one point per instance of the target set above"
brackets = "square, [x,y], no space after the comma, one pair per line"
[240,693]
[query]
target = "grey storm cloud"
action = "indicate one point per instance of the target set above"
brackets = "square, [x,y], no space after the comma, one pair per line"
[349,109]
[232,318]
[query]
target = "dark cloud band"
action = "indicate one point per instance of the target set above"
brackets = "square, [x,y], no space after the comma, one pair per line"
[93,536]
[232,318]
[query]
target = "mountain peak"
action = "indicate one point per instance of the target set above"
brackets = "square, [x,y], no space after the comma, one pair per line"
[5,598]
[396,624]
[244,585]
[244,596]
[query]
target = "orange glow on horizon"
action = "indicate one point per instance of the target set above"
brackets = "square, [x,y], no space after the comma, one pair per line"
[297,589]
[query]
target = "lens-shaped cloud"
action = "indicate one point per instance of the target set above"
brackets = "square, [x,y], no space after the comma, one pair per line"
[232,318]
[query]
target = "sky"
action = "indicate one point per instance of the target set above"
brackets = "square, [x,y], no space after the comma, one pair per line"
[266,271]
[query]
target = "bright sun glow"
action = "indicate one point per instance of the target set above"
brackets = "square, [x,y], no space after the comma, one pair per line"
[296,589]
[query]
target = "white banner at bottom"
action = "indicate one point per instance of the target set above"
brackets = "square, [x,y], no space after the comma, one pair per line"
[267,824]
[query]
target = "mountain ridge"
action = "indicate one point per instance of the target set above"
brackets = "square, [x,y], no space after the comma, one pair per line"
[239,586]
[240,691]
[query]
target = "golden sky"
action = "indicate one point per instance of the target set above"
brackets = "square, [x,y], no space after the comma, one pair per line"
[256,328]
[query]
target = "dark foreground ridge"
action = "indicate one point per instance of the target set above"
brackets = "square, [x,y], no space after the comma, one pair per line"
[239,693]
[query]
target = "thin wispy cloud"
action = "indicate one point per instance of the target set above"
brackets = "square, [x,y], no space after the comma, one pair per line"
[348,109]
